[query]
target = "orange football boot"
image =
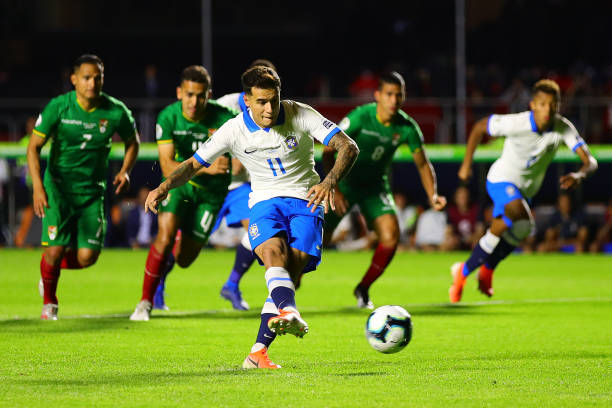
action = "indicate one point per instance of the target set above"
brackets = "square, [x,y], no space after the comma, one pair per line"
[456,289]
[259,359]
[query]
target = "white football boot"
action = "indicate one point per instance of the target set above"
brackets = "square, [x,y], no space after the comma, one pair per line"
[49,312]
[142,313]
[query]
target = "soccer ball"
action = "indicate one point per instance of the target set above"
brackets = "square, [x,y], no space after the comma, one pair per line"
[389,329]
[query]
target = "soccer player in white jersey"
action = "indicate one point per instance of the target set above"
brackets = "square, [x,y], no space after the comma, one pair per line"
[273,139]
[235,209]
[532,138]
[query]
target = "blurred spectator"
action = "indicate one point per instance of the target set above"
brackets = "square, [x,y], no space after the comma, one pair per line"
[464,220]
[517,96]
[4,180]
[603,236]
[115,231]
[407,216]
[364,85]
[431,230]
[225,237]
[566,231]
[352,233]
[151,84]
[141,226]
[23,192]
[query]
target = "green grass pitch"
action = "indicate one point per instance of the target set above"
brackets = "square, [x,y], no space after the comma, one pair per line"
[544,340]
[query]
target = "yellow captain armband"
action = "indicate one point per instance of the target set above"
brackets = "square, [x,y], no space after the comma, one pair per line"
[40,134]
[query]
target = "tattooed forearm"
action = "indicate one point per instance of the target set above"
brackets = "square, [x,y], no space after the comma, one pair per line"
[347,154]
[180,175]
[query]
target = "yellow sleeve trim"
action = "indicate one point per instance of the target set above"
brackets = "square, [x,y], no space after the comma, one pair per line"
[193,183]
[37,133]
[44,243]
[165,141]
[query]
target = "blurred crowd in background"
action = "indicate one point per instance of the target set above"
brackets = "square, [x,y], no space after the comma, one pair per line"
[565,226]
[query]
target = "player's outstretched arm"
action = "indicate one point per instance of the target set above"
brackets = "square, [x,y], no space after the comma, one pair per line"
[478,132]
[589,165]
[428,178]
[122,179]
[185,171]
[39,196]
[347,154]
[328,159]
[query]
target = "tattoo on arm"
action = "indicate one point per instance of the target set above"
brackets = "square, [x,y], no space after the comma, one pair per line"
[181,175]
[347,154]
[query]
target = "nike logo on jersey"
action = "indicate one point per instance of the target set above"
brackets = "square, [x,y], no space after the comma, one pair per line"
[265,335]
[261,148]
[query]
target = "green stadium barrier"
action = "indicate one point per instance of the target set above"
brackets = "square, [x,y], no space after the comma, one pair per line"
[436,153]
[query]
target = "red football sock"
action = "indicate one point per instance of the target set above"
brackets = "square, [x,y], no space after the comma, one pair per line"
[70,260]
[156,262]
[382,257]
[50,275]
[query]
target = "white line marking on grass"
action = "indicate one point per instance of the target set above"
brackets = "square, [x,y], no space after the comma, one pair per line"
[409,305]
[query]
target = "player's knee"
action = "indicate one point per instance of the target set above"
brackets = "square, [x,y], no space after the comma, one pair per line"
[517,210]
[87,258]
[273,253]
[184,260]
[389,238]
[165,242]
[53,255]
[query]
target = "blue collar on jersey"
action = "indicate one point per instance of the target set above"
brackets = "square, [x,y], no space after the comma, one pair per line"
[534,127]
[241,102]
[253,127]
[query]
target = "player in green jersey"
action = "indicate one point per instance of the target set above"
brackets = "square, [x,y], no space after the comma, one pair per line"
[181,128]
[70,199]
[379,129]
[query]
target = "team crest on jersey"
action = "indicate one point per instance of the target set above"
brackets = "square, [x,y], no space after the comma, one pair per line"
[291,141]
[396,138]
[510,190]
[344,123]
[52,231]
[253,231]
[103,125]
[166,201]
[211,131]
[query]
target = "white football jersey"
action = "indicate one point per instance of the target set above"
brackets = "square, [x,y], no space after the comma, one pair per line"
[280,159]
[527,153]
[233,101]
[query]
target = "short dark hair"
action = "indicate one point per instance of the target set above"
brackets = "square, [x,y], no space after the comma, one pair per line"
[547,86]
[87,59]
[196,73]
[391,77]
[259,77]
[262,62]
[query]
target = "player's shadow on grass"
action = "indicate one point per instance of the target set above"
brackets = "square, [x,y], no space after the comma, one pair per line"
[65,326]
[429,310]
[208,314]
[451,310]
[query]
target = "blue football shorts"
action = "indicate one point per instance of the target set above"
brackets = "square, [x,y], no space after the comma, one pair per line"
[289,217]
